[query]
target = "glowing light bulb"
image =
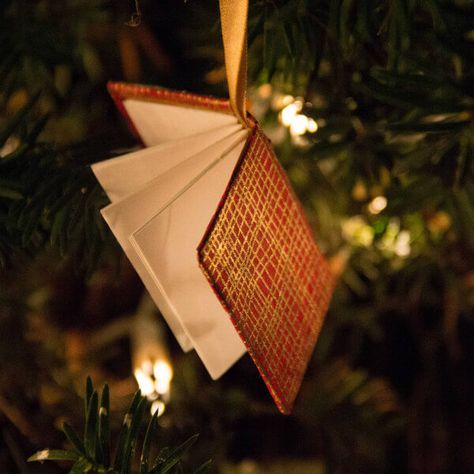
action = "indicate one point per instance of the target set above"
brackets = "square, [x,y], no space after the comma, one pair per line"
[163,375]
[152,367]
[162,370]
[377,205]
[154,381]
[288,113]
[299,124]
[145,382]
[312,126]
[356,231]
[402,244]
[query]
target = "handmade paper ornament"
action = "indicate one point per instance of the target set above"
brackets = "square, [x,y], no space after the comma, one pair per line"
[206,215]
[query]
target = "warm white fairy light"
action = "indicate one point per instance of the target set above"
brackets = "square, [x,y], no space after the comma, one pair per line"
[154,382]
[298,123]
[163,374]
[357,231]
[312,126]
[152,367]
[402,244]
[377,205]
[395,241]
[145,382]
[288,114]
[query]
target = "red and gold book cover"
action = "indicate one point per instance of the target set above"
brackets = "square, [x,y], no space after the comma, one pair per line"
[259,255]
[261,258]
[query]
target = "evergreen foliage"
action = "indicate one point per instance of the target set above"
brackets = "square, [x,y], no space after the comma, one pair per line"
[92,454]
[390,85]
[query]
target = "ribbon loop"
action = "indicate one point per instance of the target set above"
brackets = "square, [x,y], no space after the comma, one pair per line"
[234,35]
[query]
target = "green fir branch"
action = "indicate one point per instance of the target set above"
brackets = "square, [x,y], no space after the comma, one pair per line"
[93,456]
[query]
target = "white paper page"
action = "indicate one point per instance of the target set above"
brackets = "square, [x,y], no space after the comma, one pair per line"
[128,173]
[157,123]
[132,212]
[168,246]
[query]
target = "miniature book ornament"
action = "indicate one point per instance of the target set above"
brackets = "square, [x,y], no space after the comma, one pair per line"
[207,217]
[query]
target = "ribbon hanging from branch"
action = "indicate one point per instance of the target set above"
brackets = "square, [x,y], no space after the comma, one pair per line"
[234,15]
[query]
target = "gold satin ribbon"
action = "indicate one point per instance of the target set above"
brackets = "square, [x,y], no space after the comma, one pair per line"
[234,35]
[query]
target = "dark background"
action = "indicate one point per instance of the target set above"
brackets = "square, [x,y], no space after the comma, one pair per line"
[390,385]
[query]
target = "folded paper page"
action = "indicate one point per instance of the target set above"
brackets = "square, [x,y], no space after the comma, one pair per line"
[167,245]
[128,173]
[153,115]
[158,122]
[132,212]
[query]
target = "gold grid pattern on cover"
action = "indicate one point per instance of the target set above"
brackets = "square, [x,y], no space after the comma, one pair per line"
[262,260]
